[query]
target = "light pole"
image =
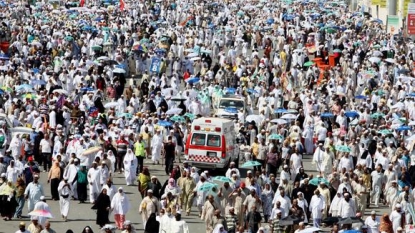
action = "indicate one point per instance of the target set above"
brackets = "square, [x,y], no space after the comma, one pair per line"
[392,7]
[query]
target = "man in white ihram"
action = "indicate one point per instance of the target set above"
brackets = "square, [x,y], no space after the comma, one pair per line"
[65,193]
[347,207]
[318,158]
[372,222]
[70,173]
[317,205]
[396,218]
[94,182]
[33,192]
[378,183]
[156,144]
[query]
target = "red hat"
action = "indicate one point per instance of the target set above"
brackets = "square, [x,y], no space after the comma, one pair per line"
[30,159]
[243,185]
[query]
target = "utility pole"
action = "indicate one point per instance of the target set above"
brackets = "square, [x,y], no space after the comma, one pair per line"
[392,7]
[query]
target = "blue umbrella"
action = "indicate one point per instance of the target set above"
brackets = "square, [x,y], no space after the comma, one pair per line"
[280,110]
[24,86]
[230,90]
[98,19]
[1,92]
[403,127]
[160,50]
[360,97]
[327,114]
[270,21]
[193,80]
[351,114]
[352,231]
[316,181]
[87,89]
[207,186]
[251,91]
[231,110]
[164,123]
[222,179]
[412,94]
[38,82]
[4,57]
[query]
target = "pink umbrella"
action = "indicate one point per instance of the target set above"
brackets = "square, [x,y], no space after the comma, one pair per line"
[41,213]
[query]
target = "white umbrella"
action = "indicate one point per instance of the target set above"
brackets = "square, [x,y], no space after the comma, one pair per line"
[374,59]
[279,121]
[169,92]
[82,70]
[412,123]
[61,91]
[103,58]
[189,50]
[36,43]
[192,55]
[289,116]
[256,118]
[111,105]
[398,105]
[174,111]
[377,53]
[390,60]
[118,71]
[411,138]
[194,58]
[310,230]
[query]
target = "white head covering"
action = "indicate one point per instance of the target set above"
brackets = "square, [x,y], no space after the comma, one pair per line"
[217,229]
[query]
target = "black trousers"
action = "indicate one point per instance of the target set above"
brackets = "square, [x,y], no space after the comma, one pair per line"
[54,184]
[82,191]
[140,161]
[47,160]
[169,164]
[119,164]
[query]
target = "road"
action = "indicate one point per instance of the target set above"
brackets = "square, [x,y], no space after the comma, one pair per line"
[81,215]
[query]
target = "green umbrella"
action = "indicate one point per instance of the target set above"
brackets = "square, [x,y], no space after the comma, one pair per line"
[275,136]
[189,115]
[331,30]
[385,132]
[316,181]
[377,115]
[177,118]
[251,164]
[37,14]
[309,63]
[69,38]
[105,28]
[8,89]
[96,47]
[376,46]
[73,16]
[337,51]
[126,115]
[343,148]
[207,186]
[402,119]
[222,179]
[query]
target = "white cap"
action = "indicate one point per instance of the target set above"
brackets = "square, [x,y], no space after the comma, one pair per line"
[249,171]
[398,205]
[373,212]
[42,198]
[399,229]
[3,175]
[150,191]
[285,166]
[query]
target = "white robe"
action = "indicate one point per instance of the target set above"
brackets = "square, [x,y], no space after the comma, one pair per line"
[318,158]
[396,219]
[166,223]
[70,174]
[156,144]
[179,227]
[34,191]
[64,202]
[120,204]
[130,167]
[94,183]
[347,209]
[317,204]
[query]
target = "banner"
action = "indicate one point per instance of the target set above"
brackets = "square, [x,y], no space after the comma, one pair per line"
[155,65]
[392,24]
[410,19]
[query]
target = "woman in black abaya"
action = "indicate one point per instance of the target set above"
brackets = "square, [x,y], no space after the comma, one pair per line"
[102,205]
[152,224]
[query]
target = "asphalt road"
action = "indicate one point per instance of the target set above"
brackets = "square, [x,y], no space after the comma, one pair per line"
[81,215]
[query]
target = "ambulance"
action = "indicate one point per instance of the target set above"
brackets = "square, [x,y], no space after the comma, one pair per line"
[211,144]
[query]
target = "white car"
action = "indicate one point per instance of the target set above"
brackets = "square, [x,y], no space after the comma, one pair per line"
[229,106]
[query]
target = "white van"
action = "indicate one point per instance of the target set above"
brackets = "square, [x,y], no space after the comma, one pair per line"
[230,101]
[211,144]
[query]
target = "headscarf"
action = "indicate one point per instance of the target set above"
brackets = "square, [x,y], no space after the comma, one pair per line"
[171,184]
[217,229]
[152,224]
[194,174]
[385,224]
[261,229]
[90,229]
[266,191]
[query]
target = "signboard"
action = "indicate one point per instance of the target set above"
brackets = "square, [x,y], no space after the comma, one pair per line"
[380,3]
[410,19]
[155,65]
[392,24]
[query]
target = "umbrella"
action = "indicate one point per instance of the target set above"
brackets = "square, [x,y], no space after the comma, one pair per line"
[327,114]
[8,89]
[24,87]
[96,47]
[385,131]
[279,121]
[192,55]
[177,118]
[280,110]
[222,179]
[174,111]
[41,213]
[206,186]
[251,91]
[91,150]
[169,91]
[390,60]
[4,57]
[343,148]
[377,115]
[191,116]
[337,51]
[351,114]
[38,82]
[310,230]
[256,118]
[111,105]
[374,59]
[126,115]
[139,47]
[118,71]
[316,181]
[178,97]
[289,116]
[194,58]
[403,127]
[275,136]
[61,91]
[230,90]
[69,38]
[360,97]
[251,164]
[331,30]
[231,110]
[164,123]
[309,63]
[193,80]
[103,58]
